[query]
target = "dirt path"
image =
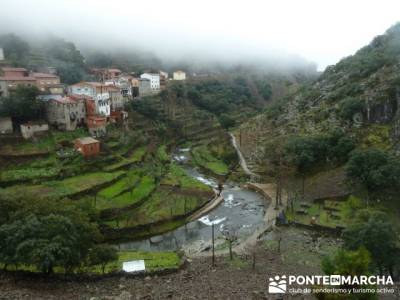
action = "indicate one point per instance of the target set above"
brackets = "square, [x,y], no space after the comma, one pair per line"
[242,161]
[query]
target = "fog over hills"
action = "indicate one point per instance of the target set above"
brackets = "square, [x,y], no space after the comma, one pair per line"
[206,31]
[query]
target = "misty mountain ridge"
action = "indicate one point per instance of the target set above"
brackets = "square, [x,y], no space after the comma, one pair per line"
[359,96]
[72,62]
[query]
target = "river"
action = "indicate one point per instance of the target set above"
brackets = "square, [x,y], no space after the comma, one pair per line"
[241,210]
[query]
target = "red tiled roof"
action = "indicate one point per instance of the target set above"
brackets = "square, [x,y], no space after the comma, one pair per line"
[65,100]
[16,78]
[80,97]
[44,75]
[84,83]
[14,69]
[87,140]
[112,87]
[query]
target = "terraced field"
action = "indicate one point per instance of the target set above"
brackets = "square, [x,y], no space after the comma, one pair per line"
[204,158]
[126,192]
[65,188]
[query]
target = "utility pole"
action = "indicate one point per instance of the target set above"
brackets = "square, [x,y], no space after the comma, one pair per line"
[213,250]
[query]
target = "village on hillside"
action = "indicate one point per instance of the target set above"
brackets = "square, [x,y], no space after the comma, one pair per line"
[90,104]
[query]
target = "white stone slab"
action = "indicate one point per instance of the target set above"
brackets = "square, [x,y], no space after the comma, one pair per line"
[133,265]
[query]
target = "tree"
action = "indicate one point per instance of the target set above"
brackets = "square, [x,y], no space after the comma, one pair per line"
[99,59]
[266,90]
[302,153]
[350,263]
[339,147]
[44,242]
[69,73]
[373,231]
[15,49]
[46,232]
[230,234]
[278,165]
[22,105]
[354,263]
[349,106]
[227,121]
[102,255]
[66,58]
[8,206]
[252,248]
[373,169]
[306,153]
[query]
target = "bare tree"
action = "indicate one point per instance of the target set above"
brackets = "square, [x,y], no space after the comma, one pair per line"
[278,167]
[230,234]
[251,249]
[278,233]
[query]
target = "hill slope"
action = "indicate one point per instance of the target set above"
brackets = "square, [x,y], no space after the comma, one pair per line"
[359,96]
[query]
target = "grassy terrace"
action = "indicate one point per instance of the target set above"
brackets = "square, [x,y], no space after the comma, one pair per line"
[157,192]
[66,187]
[154,261]
[135,157]
[139,188]
[177,177]
[204,158]
[330,213]
[28,174]
[47,143]
[162,154]
[161,206]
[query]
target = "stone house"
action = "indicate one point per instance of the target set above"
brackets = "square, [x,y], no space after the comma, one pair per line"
[105,74]
[117,100]
[31,129]
[56,89]
[154,80]
[13,77]
[163,80]
[144,87]
[97,125]
[12,82]
[14,72]
[66,113]
[6,125]
[3,89]
[119,116]
[45,80]
[123,83]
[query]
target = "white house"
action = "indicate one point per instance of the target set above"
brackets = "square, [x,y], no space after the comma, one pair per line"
[154,80]
[179,75]
[96,90]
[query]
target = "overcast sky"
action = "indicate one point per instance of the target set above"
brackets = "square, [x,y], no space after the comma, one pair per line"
[322,31]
